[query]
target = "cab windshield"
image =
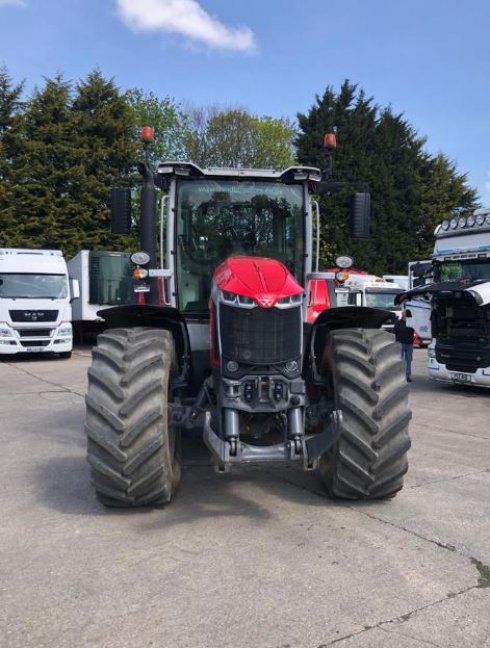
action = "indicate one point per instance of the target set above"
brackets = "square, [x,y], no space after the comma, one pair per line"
[33,286]
[385,299]
[471,270]
[220,218]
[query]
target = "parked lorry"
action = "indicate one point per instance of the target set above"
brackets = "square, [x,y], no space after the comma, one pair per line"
[35,308]
[402,281]
[360,288]
[225,349]
[105,280]
[459,299]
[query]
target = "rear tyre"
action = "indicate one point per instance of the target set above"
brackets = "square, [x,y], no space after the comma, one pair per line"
[132,450]
[367,382]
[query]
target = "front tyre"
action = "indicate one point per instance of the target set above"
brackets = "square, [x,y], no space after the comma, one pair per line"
[132,450]
[367,382]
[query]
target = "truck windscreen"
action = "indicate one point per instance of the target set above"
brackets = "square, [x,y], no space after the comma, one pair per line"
[220,218]
[469,270]
[33,286]
[384,299]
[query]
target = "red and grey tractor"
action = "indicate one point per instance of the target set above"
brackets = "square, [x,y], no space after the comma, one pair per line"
[217,341]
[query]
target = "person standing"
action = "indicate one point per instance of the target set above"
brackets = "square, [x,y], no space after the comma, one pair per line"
[404,334]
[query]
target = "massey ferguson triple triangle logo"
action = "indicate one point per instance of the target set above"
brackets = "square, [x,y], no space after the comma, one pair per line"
[266,301]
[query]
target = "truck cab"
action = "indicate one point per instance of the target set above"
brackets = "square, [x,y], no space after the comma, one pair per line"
[459,299]
[357,288]
[35,308]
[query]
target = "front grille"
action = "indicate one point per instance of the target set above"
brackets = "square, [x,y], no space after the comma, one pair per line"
[35,332]
[458,356]
[35,343]
[33,315]
[260,335]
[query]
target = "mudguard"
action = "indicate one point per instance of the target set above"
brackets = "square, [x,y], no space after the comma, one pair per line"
[338,318]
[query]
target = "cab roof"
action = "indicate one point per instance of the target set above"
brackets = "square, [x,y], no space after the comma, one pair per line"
[191,170]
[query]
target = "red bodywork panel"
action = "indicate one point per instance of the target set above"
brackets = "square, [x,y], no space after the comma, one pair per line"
[319,299]
[266,281]
[320,295]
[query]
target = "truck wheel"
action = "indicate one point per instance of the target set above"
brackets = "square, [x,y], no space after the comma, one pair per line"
[367,382]
[132,450]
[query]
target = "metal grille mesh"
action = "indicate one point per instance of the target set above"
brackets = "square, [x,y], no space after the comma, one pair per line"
[259,335]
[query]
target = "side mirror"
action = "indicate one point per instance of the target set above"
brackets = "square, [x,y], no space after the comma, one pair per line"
[360,216]
[121,210]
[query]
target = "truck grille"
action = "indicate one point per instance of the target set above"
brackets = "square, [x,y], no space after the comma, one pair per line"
[259,335]
[35,343]
[33,315]
[463,357]
[35,333]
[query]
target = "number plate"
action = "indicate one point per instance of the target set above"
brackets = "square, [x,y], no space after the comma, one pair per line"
[460,377]
[34,349]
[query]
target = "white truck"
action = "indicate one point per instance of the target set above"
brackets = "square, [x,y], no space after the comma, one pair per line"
[460,301]
[402,281]
[35,302]
[362,289]
[105,280]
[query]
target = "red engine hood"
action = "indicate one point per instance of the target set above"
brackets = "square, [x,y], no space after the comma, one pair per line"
[264,280]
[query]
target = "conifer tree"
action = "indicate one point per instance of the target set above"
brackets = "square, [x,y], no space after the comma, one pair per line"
[11,126]
[411,191]
[42,167]
[106,154]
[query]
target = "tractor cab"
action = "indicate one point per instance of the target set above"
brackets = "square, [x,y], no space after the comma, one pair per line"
[222,213]
[221,218]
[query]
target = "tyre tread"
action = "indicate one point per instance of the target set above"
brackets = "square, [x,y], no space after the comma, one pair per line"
[369,459]
[129,447]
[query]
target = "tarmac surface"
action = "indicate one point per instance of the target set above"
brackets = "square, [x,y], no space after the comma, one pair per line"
[258,558]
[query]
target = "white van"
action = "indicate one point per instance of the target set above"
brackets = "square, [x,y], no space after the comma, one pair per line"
[35,302]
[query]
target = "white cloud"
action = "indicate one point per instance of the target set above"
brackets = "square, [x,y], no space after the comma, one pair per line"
[186,18]
[13,3]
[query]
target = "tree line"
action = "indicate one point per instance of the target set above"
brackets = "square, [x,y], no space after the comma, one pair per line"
[63,148]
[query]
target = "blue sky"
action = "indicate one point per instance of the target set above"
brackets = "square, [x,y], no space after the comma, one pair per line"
[427,59]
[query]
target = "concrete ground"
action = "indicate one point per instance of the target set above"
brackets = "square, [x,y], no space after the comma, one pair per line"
[257,559]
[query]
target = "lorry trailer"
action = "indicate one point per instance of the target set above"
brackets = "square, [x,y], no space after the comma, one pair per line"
[105,279]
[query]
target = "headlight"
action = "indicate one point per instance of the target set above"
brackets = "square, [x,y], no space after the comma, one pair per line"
[470,221]
[247,301]
[228,297]
[4,330]
[480,219]
[462,221]
[65,330]
[445,225]
[431,352]
[453,223]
